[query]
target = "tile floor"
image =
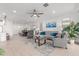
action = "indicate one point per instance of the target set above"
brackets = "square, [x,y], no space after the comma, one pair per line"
[21,46]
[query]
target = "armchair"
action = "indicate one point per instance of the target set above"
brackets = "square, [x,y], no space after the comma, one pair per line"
[61,42]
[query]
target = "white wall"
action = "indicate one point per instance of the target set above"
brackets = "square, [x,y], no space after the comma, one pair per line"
[12,28]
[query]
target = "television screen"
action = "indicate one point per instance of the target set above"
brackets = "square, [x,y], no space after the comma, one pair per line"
[50,25]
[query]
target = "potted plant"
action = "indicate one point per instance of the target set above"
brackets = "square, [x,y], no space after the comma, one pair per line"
[72,30]
[2,51]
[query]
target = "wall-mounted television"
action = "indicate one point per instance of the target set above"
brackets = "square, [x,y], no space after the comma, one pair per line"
[51,25]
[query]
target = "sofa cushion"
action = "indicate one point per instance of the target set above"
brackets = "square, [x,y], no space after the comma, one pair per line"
[53,34]
[42,33]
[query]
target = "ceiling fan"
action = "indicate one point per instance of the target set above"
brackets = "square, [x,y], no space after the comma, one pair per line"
[35,13]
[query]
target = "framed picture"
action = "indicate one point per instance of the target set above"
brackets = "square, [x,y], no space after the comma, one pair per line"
[51,25]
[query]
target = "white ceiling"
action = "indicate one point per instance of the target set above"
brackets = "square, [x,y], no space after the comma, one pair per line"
[22,9]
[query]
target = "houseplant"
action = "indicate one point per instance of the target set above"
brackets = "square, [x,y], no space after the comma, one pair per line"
[72,30]
[2,51]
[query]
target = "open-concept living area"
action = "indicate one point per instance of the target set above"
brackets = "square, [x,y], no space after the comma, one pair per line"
[39,29]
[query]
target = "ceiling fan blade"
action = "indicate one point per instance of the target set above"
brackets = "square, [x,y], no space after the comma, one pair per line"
[38,16]
[40,13]
[34,12]
[29,13]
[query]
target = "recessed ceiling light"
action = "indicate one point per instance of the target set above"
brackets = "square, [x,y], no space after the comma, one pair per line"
[53,11]
[4,13]
[14,11]
[19,26]
[0,15]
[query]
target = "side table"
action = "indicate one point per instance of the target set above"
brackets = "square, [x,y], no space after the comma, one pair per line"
[38,38]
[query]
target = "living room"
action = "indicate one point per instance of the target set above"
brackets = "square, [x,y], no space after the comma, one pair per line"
[38,26]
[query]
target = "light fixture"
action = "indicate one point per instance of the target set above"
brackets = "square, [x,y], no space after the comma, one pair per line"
[66,19]
[3,18]
[45,4]
[14,11]
[19,26]
[2,22]
[53,11]
[35,15]
[3,13]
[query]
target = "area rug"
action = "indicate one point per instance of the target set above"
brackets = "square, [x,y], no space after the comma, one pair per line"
[44,49]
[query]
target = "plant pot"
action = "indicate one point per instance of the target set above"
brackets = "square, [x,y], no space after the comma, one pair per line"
[76,41]
[70,41]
